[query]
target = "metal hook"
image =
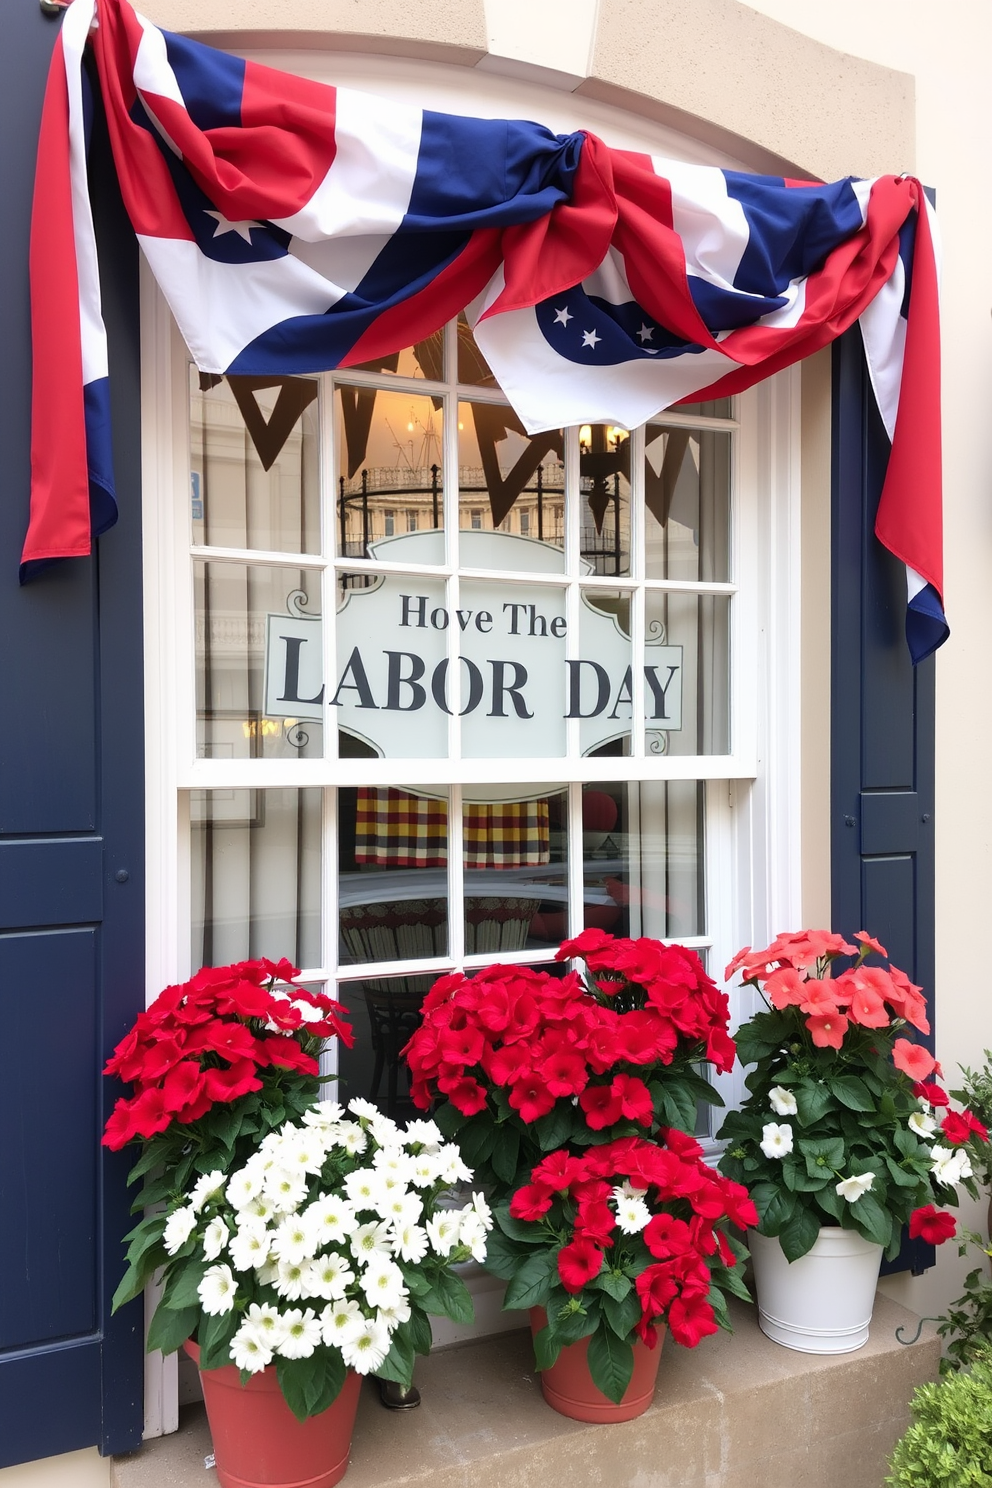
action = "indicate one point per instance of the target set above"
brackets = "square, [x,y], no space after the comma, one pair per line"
[899,1330]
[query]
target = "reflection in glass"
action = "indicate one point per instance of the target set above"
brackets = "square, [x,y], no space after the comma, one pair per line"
[510,483]
[255,875]
[604,480]
[687,676]
[259,672]
[393,882]
[384,1012]
[715,408]
[687,504]
[472,368]
[255,480]
[390,468]
[642,848]
[516,872]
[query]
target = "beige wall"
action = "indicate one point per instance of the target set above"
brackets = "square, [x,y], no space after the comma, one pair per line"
[859,88]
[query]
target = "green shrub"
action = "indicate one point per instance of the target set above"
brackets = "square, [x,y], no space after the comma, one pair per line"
[949,1444]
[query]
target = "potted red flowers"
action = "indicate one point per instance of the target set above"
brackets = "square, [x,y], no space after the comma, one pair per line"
[607,1247]
[526,1061]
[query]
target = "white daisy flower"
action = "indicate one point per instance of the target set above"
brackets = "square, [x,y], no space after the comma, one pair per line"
[442,1231]
[382,1283]
[365,1351]
[331,1219]
[305,1154]
[178,1227]
[250,1246]
[360,1107]
[244,1185]
[483,1210]
[852,1189]
[352,1138]
[391,1317]
[215,1237]
[292,1279]
[261,1208]
[285,1189]
[453,1169]
[341,1320]
[385,1130]
[472,1232]
[293,1240]
[633,1215]
[783,1102]
[400,1207]
[427,1167]
[217,1290]
[371,1239]
[394,1161]
[332,1276]
[363,1187]
[323,1114]
[303,1333]
[267,1322]
[411,1243]
[776,1139]
[268,1273]
[210,1186]
[249,1350]
[426,1133]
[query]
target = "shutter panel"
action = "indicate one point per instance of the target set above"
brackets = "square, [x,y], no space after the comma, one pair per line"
[71,818]
[882,714]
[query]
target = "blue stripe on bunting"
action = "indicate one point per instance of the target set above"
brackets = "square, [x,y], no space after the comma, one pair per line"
[211,82]
[791,232]
[99,455]
[926,625]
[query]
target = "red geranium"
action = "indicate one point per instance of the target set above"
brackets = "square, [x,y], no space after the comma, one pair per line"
[204,1042]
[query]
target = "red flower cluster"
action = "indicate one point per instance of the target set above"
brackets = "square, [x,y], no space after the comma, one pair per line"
[688,1201]
[933,1225]
[204,1042]
[865,995]
[543,1037]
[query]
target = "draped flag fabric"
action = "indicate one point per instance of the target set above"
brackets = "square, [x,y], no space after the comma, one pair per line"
[294,227]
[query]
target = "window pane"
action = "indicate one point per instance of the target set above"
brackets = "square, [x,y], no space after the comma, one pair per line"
[687,504]
[255,479]
[422,360]
[512,485]
[472,368]
[642,847]
[391,691]
[259,674]
[604,480]
[384,1012]
[393,882]
[599,675]
[390,474]
[516,871]
[256,873]
[715,408]
[513,674]
[687,673]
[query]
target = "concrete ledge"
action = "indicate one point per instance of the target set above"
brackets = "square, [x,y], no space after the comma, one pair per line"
[738,1412]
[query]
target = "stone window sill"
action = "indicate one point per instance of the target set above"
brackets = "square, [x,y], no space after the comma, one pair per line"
[738,1412]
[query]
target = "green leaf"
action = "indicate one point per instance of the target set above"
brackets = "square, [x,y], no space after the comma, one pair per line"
[874,1222]
[546,1349]
[830,1201]
[182,1291]
[524,1230]
[614,1283]
[778,1212]
[136,1277]
[214,1336]
[799,1235]
[398,1363]
[852,1092]
[169,1328]
[571,1326]
[554,1129]
[144,1235]
[476,1140]
[678,1106]
[622,1316]
[611,1364]
[449,1297]
[824,1155]
[503,1255]
[506,1151]
[449,1119]
[900,1176]
[420,1331]
[294,1382]
[416,1282]
[531,1284]
[813,1097]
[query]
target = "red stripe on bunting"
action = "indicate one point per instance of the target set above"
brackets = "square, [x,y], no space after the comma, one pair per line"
[60,499]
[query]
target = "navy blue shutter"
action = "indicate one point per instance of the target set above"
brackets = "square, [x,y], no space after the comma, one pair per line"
[71,861]
[882,714]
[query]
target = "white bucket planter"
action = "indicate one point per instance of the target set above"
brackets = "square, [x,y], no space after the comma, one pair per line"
[820,1304]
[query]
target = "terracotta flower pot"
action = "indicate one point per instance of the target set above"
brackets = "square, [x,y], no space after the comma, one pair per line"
[259,1443]
[568,1385]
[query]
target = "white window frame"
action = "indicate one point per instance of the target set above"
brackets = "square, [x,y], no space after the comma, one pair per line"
[752,805]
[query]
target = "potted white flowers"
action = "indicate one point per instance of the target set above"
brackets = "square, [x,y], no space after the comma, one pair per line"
[315,1262]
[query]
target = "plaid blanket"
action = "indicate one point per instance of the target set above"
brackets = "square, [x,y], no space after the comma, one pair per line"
[396,830]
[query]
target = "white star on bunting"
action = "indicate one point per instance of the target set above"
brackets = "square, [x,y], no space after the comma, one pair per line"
[563,316]
[646,332]
[243,229]
[589,338]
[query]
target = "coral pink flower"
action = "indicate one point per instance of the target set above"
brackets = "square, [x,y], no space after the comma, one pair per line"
[785,988]
[828,1031]
[870,942]
[912,1059]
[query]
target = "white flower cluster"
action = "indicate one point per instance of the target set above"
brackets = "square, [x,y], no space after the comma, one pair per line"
[776,1136]
[338,1250]
[633,1214]
[950,1164]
